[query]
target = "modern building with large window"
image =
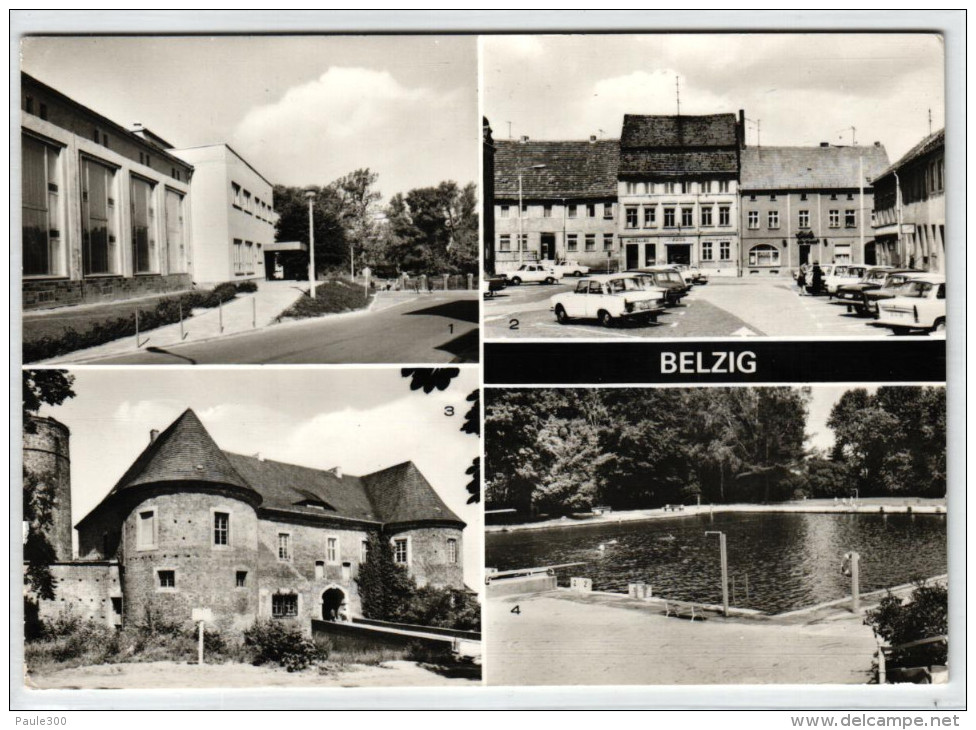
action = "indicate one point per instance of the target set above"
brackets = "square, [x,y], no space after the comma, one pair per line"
[234,220]
[567,191]
[805,205]
[909,225]
[190,526]
[104,211]
[677,190]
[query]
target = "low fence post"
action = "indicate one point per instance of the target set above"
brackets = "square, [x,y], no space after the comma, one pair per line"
[446,276]
[254,312]
[470,282]
[220,313]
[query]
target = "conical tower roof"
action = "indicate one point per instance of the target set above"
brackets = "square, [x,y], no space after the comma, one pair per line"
[184,452]
[401,494]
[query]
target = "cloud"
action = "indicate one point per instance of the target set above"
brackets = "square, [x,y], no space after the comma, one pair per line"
[350,118]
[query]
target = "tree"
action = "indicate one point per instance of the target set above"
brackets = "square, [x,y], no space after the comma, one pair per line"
[385,588]
[358,201]
[292,225]
[40,387]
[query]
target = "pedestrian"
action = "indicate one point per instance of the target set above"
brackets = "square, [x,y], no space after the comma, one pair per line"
[801,279]
[817,283]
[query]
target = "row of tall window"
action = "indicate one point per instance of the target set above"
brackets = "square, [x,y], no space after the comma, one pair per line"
[247,255]
[573,210]
[573,240]
[678,187]
[675,217]
[44,213]
[803,219]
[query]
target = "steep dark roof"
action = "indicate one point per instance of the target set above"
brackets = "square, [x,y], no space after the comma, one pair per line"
[573,169]
[784,168]
[285,486]
[927,145]
[401,494]
[183,452]
[678,163]
[712,130]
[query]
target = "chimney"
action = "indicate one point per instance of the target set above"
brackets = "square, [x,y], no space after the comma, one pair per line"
[153,435]
[523,139]
[337,470]
[592,139]
[825,144]
[742,128]
[877,144]
[136,126]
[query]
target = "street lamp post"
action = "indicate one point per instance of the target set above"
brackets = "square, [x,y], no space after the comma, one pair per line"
[519,243]
[723,556]
[310,196]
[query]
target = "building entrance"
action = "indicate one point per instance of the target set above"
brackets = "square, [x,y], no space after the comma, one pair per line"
[332,601]
[547,243]
[804,255]
[633,255]
[679,253]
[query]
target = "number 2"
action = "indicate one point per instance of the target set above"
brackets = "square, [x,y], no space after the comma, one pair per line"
[513,324]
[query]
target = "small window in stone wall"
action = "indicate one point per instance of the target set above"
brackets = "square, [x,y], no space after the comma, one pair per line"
[284,605]
[240,579]
[284,546]
[452,550]
[167,578]
[221,528]
[400,551]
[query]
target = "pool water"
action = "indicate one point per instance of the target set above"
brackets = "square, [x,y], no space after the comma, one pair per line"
[777,562]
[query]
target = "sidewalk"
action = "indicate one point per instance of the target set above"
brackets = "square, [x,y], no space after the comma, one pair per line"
[244,313]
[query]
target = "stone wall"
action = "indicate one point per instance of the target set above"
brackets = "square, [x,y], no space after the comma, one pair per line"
[48,293]
[90,591]
[205,574]
[47,457]
[429,560]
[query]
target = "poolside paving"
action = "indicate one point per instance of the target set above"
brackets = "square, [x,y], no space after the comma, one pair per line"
[566,638]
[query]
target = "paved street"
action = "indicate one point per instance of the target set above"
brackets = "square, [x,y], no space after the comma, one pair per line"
[722,308]
[429,328]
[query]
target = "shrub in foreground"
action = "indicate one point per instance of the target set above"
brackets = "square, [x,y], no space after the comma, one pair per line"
[924,616]
[273,642]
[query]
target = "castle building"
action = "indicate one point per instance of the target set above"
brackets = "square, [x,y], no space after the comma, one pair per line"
[104,210]
[555,200]
[909,219]
[677,190]
[190,526]
[805,205]
[234,216]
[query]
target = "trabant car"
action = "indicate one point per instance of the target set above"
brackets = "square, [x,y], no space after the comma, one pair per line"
[919,305]
[532,273]
[609,298]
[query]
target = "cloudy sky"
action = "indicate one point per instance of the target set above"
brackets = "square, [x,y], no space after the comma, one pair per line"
[361,419]
[303,110]
[802,89]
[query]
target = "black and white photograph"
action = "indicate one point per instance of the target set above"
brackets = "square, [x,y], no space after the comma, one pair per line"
[179,194]
[251,528]
[714,185]
[716,536]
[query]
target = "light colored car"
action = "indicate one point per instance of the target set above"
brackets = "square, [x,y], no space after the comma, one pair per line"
[843,274]
[570,268]
[892,288]
[920,305]
[532,273]
[609,298]
[692,274]
[671,273]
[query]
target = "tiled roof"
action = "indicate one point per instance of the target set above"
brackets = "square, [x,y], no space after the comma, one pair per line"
[677,163]
[284,486]
[784,168]
[930,143]
[402,494]
[573,169]
[713,130]
[183,452]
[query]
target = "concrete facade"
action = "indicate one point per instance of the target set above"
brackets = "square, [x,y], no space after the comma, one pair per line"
[105,212]
[235,218]
[909,216]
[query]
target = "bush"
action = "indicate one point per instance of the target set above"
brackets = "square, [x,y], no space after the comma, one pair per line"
[273,642]
[246,287]
[331,297]
[926,615]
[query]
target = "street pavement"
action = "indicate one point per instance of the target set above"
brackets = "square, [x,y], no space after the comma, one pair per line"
[438,327]
[721,308]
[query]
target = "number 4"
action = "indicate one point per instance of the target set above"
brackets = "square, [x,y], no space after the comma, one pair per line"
[516,610]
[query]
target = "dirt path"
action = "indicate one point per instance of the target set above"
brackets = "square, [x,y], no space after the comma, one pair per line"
[172,675]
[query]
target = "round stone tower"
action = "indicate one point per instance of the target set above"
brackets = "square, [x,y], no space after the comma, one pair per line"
[47,459]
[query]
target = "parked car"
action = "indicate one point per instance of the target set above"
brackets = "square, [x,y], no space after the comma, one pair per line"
[920,305]
[532,273]
[692,274]
[891,288]
[672,274]
[673,290]
[570,268]
[492,283]
[843,274]
[853,294]
[609,298]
